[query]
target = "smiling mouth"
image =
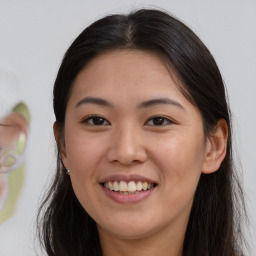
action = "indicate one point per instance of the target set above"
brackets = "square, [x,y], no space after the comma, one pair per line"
[131,187]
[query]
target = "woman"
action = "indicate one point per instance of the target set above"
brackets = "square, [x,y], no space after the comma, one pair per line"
[144,145]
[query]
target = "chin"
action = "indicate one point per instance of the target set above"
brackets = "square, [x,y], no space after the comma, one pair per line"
[131,230]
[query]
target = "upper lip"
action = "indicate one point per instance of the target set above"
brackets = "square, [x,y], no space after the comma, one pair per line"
[127,178]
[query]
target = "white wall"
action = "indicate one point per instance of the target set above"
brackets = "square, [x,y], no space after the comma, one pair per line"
[33,38]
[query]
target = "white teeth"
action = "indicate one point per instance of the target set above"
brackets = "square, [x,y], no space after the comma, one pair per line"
[132,186]
[127,188]
[123,186]
[144,185]
[116,186]
[110,186]
[139,186]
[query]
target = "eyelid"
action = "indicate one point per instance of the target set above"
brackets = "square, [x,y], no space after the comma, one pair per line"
[86,119]
[170,121]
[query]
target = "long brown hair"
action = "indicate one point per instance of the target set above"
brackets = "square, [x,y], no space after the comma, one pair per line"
[214,225]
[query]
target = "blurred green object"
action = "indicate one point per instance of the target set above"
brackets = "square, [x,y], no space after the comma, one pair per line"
[22,109]
[14,132]
[20,144]
[16,181]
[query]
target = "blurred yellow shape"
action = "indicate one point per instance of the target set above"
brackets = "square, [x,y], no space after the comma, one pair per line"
[16,181]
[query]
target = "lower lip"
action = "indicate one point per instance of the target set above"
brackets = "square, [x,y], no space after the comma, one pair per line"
[128,198]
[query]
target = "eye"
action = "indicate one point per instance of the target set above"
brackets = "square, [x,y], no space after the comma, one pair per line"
[96,120]
[158,121]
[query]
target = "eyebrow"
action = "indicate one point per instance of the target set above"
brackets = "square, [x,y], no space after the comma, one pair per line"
[159,101]
[144,104]
[93,100]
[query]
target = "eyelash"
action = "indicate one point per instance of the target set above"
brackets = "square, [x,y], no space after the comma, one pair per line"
[166,121]
[163,121]
[93,117]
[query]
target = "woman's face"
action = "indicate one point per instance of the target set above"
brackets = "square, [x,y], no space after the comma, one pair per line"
[134,145]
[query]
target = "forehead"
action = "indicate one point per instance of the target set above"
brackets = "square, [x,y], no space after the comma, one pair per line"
[126,71]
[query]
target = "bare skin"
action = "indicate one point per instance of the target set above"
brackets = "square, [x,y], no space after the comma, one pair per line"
[126,118]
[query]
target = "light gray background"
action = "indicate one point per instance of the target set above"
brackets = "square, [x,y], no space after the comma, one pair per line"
[33,38]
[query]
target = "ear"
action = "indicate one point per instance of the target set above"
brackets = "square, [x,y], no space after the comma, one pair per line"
[60,143]
[216,147]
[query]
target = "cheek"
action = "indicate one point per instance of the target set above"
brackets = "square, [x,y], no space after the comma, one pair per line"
[180,163]
[180,160]
[82,155]
[85,154]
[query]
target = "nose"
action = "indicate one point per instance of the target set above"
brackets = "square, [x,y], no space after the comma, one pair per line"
[127,147]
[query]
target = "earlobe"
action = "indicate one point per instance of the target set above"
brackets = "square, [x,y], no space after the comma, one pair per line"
[216,147]
[60,143]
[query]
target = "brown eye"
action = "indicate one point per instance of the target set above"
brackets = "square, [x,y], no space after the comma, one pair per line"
[96,120]
[158,121]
